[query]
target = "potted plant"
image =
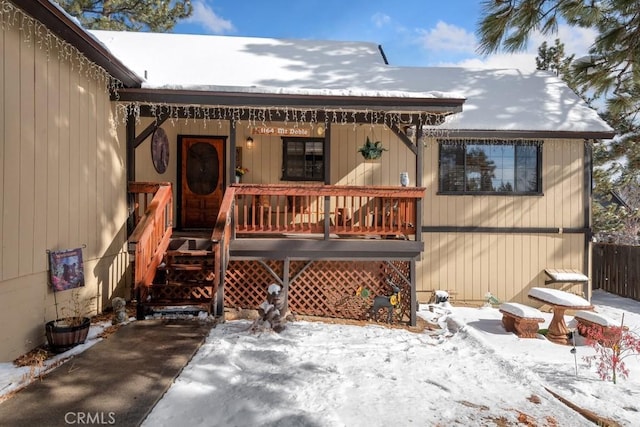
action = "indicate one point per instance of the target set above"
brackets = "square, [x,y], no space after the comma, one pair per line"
[72,327]
[240,171]
[372,150]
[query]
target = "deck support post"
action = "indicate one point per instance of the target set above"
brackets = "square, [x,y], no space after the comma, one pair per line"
[285,284]
[414,299]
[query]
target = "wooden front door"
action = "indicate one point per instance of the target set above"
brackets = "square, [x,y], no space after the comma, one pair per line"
[202,180]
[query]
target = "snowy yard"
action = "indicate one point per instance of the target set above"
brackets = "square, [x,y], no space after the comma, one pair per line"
[318,374]
[321,374]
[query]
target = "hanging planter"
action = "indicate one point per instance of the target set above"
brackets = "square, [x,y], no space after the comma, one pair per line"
[372,150]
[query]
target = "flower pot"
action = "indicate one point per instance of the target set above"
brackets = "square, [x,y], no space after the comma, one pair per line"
[372,156]
[237,179]
[62,335]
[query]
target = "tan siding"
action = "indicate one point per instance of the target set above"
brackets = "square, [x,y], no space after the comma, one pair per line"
[93,133]
[41,166]
[64,147]
[507,265]
[74,161]
[84,117]
[3,137]
[53,152]
[63,180]
[27,154]
[346,139]
[11,138]
[471,264]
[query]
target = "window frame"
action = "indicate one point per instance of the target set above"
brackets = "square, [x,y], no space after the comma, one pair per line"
[467,142]
[285,158]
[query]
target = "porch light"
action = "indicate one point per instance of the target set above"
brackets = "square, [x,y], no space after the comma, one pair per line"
[249,143]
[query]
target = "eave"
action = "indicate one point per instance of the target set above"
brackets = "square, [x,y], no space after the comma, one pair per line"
[268,100]
[62,26]
[527,134]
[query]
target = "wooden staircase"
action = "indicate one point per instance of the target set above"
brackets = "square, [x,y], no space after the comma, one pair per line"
[184,281]
[174,273]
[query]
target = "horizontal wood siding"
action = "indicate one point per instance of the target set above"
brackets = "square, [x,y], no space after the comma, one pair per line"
[63,182]
[505,264]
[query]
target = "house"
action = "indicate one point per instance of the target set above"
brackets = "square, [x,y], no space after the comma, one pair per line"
[115,142]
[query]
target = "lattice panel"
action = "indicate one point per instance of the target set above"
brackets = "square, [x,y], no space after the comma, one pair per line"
[246,283]
[324,288]
[396,275]
[329,288]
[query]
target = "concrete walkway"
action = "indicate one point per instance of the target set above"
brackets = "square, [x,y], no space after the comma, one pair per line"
[116,382]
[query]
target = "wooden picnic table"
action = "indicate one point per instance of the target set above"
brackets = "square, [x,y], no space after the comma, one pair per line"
[560,301]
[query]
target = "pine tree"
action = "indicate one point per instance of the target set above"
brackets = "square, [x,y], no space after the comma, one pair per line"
[553,59]
[609,74]
[133,15]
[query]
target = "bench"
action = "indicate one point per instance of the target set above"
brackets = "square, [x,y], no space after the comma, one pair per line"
[590,323]
[521,319]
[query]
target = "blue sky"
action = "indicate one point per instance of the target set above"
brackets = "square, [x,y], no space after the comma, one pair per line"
[411,32]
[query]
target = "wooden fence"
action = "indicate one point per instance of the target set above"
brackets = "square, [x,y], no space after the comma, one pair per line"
[616,269]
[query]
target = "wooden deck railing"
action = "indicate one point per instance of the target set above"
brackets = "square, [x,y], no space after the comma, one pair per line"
[152,233]
[327,209]
[220,240]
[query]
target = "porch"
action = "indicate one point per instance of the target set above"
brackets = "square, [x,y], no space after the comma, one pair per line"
[331,248]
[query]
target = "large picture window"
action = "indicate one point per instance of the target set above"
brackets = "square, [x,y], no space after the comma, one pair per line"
[303,159]
[476,167]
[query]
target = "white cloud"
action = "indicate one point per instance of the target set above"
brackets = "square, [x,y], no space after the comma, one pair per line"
[447,37]
[380,19]
[207,18]
[576,40]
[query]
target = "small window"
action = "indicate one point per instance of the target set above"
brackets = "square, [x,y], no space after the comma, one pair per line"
[303,159]
[476,167]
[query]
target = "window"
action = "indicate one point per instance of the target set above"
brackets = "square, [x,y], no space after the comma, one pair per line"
[474,167]
[303,159]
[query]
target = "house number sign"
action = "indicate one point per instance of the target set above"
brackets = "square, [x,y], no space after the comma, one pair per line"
[278,131]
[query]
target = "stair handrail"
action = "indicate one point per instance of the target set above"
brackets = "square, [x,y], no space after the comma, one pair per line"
[151,237]
[220,240]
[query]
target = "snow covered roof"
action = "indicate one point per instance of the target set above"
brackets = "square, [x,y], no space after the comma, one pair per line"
[514,100]
[496,100]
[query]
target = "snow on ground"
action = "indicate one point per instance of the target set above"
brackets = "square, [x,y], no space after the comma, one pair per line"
[318,374]
[13,378]
[321,374]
